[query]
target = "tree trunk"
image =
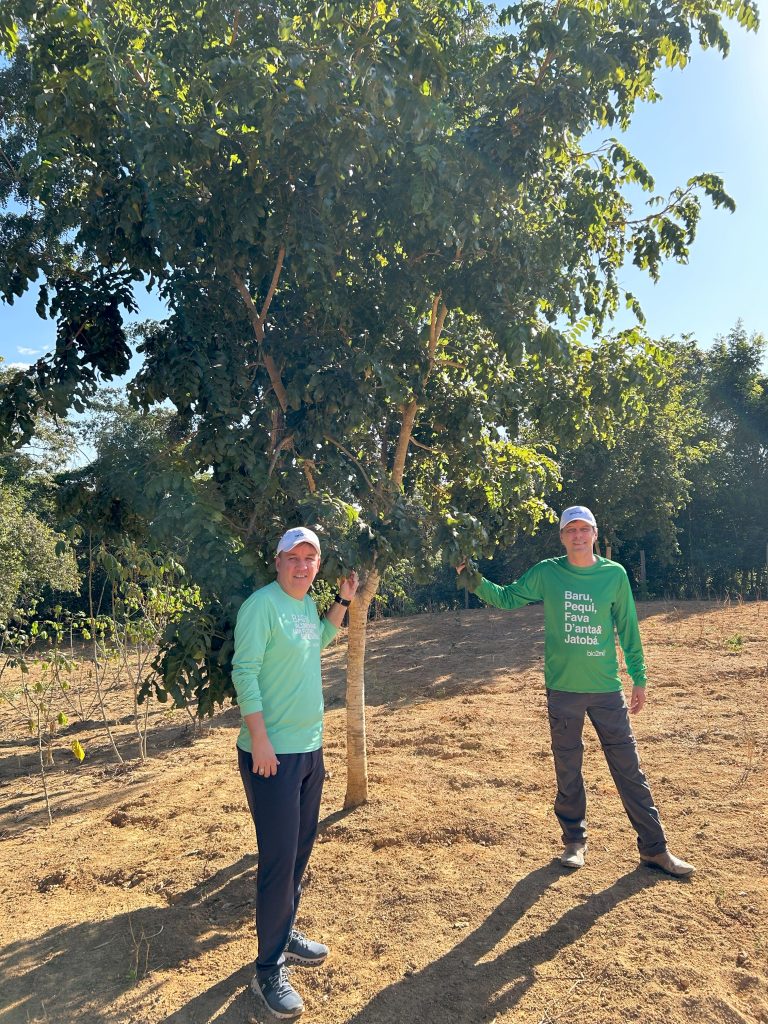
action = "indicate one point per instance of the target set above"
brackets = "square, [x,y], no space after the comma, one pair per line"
[357,761]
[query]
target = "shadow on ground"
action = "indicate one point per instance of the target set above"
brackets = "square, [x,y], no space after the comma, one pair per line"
[469,984]
[42,976]
[407,663]
[417,658]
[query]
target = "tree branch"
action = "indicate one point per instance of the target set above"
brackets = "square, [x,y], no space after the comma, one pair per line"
[10,166]
[276,381]
[398,467]
[384,443]
[437,320]
[426,448]
[286,442]
[671,205]
[253,315]
[350,456]
[257,322]
[270,294]
[143,82]
[306,466]
[549,57]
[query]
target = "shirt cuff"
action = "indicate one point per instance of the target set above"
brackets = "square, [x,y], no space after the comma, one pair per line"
[248,707]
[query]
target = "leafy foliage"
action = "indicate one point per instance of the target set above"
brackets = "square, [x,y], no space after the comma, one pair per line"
[29,553]
[722,534]
[370,223]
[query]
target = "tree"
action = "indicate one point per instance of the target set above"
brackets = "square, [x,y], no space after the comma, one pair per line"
[364,219]
[30,554]
[632,471]
[723,540]
[34,557]
[639,482]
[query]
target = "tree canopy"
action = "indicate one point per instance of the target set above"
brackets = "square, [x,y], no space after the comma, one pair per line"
[371,223]
[36,559]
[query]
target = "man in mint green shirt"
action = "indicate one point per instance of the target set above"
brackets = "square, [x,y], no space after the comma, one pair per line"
[276,673]
[587,602]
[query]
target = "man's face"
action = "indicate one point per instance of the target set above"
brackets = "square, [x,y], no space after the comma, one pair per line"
[578,539]
[297,568]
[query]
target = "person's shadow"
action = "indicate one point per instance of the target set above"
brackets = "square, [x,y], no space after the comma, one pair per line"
[48,971]
[459,987]
[76,970]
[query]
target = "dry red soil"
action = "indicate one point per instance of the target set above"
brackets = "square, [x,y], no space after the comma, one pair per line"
[442,898]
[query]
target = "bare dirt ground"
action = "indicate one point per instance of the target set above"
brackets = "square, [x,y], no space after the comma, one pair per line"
[442,898]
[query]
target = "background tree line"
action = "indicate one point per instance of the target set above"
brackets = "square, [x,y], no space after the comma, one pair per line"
[677,490]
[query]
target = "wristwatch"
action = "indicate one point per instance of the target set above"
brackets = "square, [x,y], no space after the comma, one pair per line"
[340,600]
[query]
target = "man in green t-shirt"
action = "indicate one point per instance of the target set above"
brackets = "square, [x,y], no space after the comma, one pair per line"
[276,673]
[587,600]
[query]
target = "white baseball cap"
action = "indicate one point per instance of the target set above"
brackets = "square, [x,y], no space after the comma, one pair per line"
[298,535]
[577,513]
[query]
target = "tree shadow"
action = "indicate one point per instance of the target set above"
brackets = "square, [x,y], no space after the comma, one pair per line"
[438,656]
[20,758]
[56,976]
[468,985]
[465,984]
[679,611]
[211,1006]
[72,787]
[443,654]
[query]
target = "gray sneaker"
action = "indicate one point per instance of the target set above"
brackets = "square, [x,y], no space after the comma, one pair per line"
[573,855]
[278,995]
[303,951]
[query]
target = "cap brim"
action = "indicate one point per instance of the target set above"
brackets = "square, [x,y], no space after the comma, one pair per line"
[285,551]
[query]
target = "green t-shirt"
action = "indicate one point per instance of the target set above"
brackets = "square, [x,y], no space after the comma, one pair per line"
[276,668]
[582,608]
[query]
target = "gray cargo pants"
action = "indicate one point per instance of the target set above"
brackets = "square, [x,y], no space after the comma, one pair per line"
[608,714]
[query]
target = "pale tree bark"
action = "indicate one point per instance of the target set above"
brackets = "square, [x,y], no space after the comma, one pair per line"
[357,761]
[357,757]
[401,451]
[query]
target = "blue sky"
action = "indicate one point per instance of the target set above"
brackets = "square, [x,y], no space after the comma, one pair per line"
[712,118]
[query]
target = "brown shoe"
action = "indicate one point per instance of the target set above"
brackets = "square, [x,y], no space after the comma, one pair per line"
[573,855]
[667,861]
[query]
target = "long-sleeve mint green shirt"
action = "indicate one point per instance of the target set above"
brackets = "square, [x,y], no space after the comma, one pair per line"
[276,668]
[582,608]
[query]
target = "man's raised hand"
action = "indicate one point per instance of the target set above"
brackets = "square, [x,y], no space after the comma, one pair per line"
[348,586]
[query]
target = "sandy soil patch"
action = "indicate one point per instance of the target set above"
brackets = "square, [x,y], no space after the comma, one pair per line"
[442,898]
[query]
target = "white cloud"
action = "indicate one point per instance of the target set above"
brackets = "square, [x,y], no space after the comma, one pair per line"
[27,351]
[16,366]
